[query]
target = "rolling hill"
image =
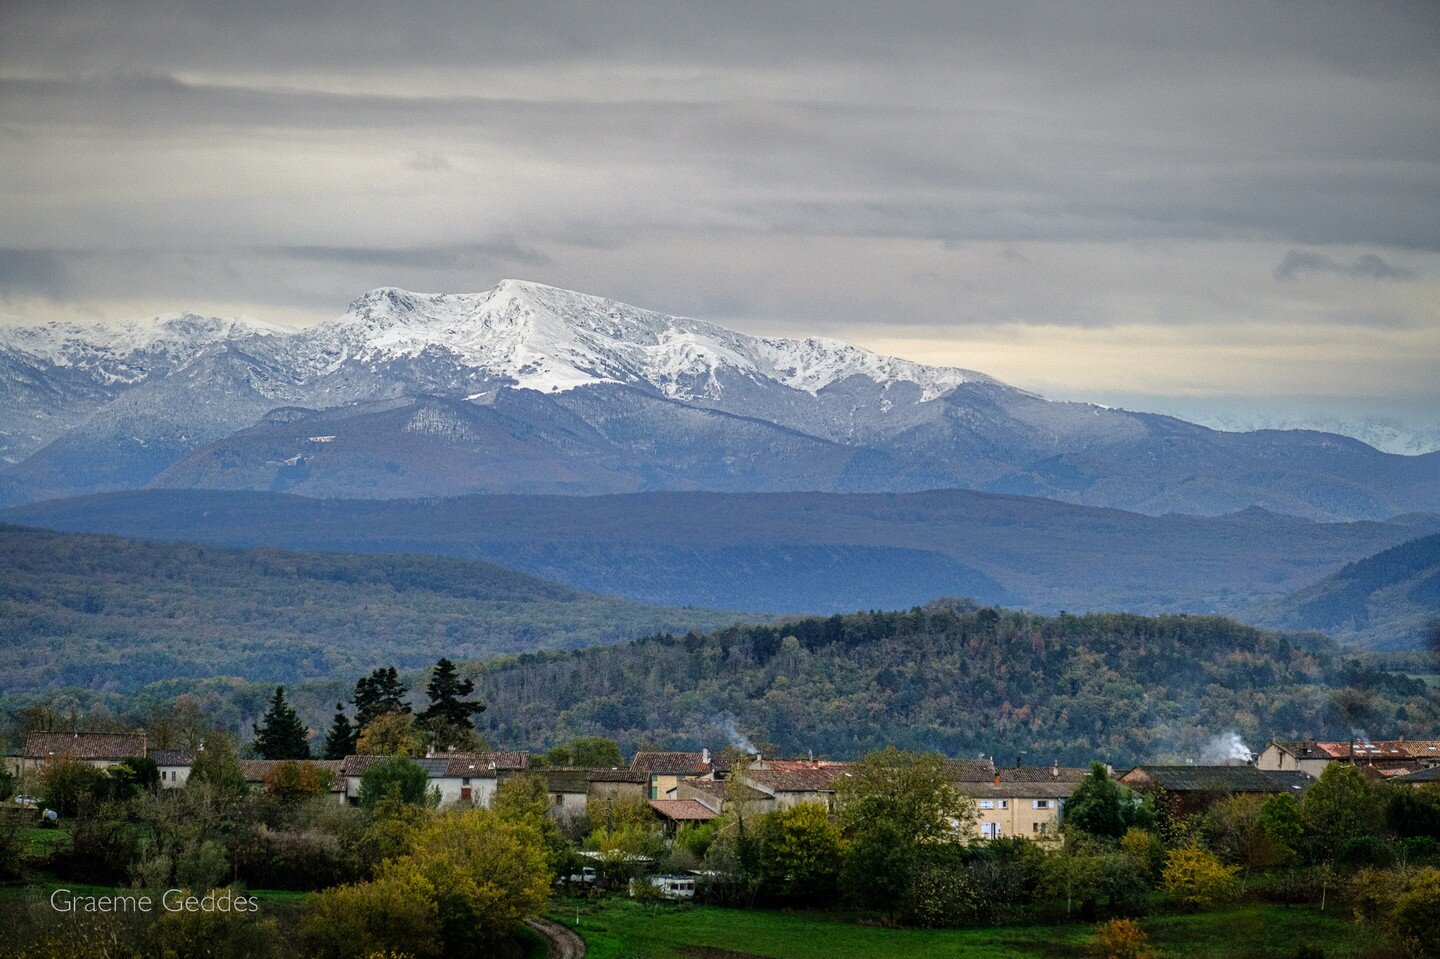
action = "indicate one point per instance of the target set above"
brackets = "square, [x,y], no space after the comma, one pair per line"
[957,679]
[1388,601]
[106,613]
[788,552]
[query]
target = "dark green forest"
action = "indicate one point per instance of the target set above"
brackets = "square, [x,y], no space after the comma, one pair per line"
[106,613]
[961,680]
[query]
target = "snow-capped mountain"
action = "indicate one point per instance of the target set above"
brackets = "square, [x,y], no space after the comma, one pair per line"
[530,388]
[550,340]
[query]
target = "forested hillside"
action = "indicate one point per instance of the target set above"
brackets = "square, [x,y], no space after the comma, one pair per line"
[959,680]
[790,552]
[108,613]
[1390,600]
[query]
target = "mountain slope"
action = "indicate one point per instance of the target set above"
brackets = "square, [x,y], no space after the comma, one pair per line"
[957,680]
[789,552]
[1390,600]
[580,394]
[101,612]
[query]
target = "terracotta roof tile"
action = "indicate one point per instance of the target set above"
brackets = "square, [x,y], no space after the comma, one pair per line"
[681,810]
[116,746]
[670,763]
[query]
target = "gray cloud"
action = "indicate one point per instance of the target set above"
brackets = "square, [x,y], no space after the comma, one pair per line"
[912,180]
[42,273]
[469,256]
[1367,266]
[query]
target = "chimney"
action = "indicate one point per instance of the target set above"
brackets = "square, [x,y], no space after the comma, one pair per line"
[705,756]
[1055,769]
[997,778]
[810,753]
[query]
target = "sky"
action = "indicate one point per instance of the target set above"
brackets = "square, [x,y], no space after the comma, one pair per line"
[1225,211]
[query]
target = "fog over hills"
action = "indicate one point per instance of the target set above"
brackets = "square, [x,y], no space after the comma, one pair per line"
[527,389]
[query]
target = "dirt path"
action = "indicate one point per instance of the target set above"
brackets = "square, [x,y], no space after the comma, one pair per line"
[564,943]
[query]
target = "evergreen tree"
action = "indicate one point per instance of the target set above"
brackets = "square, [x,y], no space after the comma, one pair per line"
[448,717]
[281,734]
[340,741]
[377,694]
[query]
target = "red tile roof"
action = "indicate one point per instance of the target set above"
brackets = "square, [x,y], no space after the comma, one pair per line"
[116,746]
[682,810]
[795,775]
[670,764]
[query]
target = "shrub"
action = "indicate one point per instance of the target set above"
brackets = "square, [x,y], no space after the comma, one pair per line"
[1360,851]
[71,787]
[1147,851]
[291,782]
[1121,939]
[1412,914]
[395,778]
[299,859]
[1197,878]
[392,914]
[1418,851]
[799,850]
[946,894]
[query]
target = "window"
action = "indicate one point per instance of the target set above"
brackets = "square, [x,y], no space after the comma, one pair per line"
[989,830]
[465,781]
[558,799]
[1039,804]
[987,804]
[1004,804]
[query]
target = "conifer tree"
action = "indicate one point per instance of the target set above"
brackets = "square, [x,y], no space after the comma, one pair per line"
[340,741]
[448,717]
[377,694]
[281,734]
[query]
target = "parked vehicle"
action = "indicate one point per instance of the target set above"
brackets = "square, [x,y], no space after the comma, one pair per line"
[671,887]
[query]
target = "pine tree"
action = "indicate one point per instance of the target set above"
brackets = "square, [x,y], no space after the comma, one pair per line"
[377,694]
[340,741]
[281,734]
[448,717]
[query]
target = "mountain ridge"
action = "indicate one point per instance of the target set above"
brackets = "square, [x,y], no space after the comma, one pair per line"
[788,552]
[558,382]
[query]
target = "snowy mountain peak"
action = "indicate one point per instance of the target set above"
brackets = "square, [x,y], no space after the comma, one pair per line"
[131,351]
[551,340]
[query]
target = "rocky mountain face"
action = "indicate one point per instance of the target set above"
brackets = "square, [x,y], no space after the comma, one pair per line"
[529,389]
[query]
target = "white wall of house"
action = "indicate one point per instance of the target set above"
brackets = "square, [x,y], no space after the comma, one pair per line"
[173,777]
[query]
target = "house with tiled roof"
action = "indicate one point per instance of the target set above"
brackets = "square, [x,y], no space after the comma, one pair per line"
[675,813]
[664,770]
[459,777]
[1196,788]
[97,749]
[1394,757]
[174,766]
[789,782]
[573,788]
[1021,800]
[719,795]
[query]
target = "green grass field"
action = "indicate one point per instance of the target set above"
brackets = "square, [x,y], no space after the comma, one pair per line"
[624,930]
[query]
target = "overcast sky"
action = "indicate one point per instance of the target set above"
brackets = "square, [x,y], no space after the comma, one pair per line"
[1228,211]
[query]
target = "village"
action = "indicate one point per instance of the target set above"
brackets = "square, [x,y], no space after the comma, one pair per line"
[683,787]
